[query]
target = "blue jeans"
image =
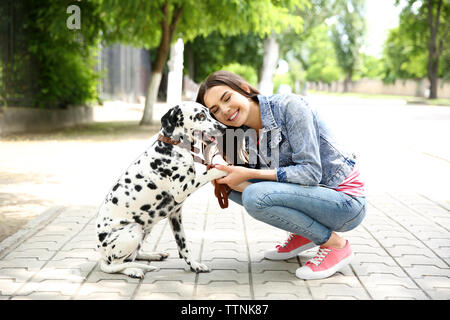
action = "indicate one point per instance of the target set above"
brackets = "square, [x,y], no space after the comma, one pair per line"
[310,211]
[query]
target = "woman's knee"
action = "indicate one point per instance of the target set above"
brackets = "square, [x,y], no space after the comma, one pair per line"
[253,197]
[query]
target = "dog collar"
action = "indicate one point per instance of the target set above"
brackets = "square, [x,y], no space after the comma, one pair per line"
[192,149]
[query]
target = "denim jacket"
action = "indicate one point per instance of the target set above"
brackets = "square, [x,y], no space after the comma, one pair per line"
[306,151]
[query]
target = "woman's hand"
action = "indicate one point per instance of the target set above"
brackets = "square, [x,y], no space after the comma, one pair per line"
[236,175]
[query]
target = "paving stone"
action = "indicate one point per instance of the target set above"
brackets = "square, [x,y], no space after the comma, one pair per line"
[214,288]
[42,296]
[59,287]
[182,290]
[401,252]
[297,288]
[119,288]
[223,275]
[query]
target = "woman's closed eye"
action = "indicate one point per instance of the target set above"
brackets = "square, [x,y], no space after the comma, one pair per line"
[214,110]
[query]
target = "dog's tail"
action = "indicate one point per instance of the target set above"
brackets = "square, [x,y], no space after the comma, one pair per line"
[113,268]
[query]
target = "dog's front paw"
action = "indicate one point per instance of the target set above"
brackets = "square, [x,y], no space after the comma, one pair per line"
[134,273]
[199,267]
[217,174]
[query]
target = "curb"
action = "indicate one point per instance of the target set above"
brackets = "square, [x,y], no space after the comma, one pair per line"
[30,229]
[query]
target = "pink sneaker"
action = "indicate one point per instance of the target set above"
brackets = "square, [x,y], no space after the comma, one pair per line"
[325,263]
[294,245]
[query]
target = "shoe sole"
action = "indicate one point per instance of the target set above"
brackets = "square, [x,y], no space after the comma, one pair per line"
[274,255]
[326,273]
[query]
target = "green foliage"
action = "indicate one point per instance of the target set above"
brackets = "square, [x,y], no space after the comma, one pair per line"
[205,55]
[370,67]
[405,52]
[319,55]
[245,71]
[348,33]
[64,59]
[138,22]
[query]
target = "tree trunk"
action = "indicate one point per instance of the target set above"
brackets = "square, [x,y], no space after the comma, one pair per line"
[347,81]
[168,29]
[271,51]
[433,53]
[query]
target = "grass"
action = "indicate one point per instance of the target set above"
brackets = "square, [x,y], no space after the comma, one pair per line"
[408,99]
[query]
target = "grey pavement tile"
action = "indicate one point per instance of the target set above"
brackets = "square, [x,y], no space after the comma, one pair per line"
[223,275]
[214,288]
[120,287]
[182,275]
[42,295]
[171,287]
[58,286]
[297,288]
[9,286]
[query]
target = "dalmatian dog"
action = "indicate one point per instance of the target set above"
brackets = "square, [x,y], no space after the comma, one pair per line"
[152,188]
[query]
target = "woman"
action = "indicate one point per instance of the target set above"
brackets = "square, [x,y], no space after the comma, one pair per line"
[303,182]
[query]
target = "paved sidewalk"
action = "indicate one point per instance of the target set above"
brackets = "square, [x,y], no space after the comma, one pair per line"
[402,251]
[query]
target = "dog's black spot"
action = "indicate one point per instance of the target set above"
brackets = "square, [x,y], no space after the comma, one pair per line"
[138,176]
[164,148]
[198,183]
[115,200]
[158,197]
[167,161]
[185,187]
[176,176]
[164,172]
[175,224]
[182,178]
[124,222]
[127,180]
[166,199]
[137,187]
[102,236]
[151,185]
[145,207]
[138,220]
[151,213]
[98,226]
[115,187]
[175,168]
[180,242]
[127,193]
[162,214]
[149,221]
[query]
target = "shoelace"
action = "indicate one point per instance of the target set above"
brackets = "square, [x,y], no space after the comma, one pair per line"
[289,239]
[318,258]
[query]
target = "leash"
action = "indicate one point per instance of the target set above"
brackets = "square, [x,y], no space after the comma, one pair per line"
[221,191]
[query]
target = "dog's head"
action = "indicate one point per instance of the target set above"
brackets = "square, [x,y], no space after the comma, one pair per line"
[192,121]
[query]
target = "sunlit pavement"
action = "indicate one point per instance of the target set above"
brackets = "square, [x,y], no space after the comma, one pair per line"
[402,248]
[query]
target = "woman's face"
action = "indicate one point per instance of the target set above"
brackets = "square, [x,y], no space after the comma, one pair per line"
[228,106]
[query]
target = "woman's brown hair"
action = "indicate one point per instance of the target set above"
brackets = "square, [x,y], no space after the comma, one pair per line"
[235,82]
[226,78]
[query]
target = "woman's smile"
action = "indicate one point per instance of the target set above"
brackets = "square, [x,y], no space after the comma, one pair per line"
[234,116]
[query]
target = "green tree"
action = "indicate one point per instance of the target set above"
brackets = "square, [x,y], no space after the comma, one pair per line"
[402,58]
[158,23]
[424,28]
[204,55]
[320,57]
[348,34]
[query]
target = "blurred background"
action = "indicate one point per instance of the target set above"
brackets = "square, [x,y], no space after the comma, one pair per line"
[84,83]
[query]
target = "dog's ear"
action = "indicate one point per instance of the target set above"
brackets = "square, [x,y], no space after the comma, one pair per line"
[171,119]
